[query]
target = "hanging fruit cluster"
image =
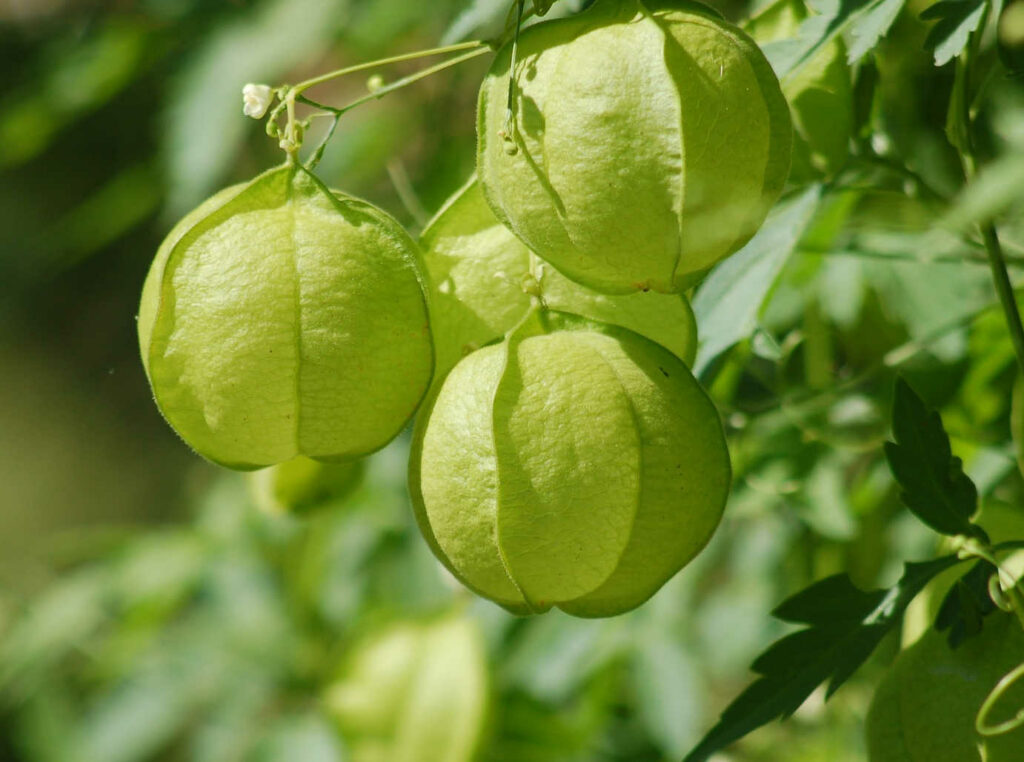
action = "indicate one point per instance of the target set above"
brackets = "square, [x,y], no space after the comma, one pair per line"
[565,454]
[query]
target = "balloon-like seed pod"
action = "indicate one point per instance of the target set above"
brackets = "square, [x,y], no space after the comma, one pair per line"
[476,269]
[647,140]
[280,319]
[575,464]
[925,708]
[414,688]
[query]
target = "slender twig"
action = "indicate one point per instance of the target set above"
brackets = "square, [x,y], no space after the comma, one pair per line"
[404,81]
[989,234]
[472,45]
[319,152]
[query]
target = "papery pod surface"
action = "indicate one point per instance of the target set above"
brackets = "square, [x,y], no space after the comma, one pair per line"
[280,319]
[476,271]
[650,139]
[924,709]
[575,464]
[411,688]
[820,94]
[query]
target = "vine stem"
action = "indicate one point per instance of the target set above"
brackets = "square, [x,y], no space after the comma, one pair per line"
[396,85]
[981,721]
[478,45]
[964,123]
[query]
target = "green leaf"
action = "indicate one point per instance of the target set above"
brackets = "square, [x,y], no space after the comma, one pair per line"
[997,187]
[846,624]
[668,690]
[831,19]
[871,26]
[308,737]
[934,485]
[955,21]
[966,604]
[729,301]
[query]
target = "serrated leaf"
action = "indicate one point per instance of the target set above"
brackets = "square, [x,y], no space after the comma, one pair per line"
[818,30]
[966,604]
[955,21]
[846,625]
[871,26]
[934,485]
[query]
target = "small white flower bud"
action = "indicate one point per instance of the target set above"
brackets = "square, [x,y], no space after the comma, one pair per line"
[256,99]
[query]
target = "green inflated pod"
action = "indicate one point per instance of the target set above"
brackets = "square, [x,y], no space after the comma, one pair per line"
[925,708]
[647,141]
[414,691]
[301,485]
[575,464]
[280,319]
[478,275]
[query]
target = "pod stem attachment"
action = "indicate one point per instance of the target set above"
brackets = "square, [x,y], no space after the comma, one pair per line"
[981,721]
[508,131]
[533,282]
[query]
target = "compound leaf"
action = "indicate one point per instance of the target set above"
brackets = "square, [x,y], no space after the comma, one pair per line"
[966,604]
[871,26]
[933,483]
[955,20]
[845,625]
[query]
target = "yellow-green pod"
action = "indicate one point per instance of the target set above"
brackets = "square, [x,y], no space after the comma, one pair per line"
[478,274]
[279,320]
[412,690]
[648,140]
[301,485]
[575,464]
[925,708]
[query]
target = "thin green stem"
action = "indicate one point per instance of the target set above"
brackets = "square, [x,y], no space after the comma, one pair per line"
[965,124]
[319,152]
[476,45]
[511,100]
[1001,278]
[980,722]
[405,81]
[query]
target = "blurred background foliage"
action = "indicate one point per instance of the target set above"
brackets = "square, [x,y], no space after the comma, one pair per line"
[154,607]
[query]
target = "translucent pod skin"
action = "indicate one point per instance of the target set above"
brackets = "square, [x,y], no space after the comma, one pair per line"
[649,140]
[476,270]
[924,709]
[575,464]
[279,320]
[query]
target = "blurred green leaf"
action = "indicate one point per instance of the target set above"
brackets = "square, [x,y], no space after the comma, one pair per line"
[934,485]
[728,302]
[307,737]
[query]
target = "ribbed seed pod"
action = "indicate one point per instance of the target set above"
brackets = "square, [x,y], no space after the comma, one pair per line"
[301,486]
[649,139]
[476,274]
[575,464]
[279,319]
[416,691]
[924,709]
